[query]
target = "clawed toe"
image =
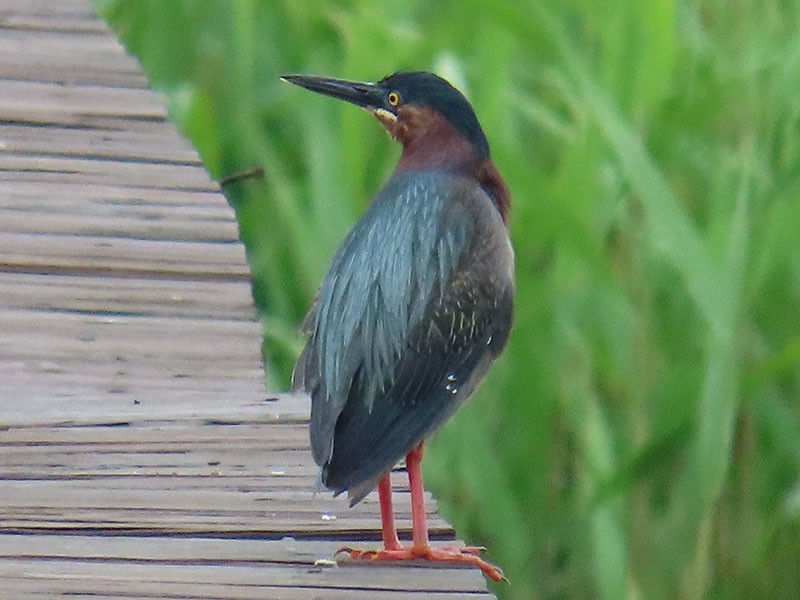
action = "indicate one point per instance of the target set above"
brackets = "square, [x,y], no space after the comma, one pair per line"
[466,555]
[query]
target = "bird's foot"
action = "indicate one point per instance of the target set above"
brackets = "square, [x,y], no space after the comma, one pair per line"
[466,555]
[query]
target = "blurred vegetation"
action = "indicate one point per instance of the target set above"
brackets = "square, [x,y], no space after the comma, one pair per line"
[640,438]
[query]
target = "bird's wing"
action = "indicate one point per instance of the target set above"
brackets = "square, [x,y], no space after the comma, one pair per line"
[403,328]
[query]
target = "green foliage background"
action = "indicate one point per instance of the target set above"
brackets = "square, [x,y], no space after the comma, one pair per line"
[640,438]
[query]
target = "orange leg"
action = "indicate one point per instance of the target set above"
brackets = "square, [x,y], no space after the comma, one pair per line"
[420,547]
[390,540]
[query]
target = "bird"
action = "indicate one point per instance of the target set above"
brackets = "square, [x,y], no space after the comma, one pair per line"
[416,304]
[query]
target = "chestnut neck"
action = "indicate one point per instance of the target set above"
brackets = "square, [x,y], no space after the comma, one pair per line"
[431,142]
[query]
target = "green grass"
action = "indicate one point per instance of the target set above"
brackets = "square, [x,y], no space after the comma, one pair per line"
[640,438]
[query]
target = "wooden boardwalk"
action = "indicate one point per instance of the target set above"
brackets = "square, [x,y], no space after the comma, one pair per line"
[140,456]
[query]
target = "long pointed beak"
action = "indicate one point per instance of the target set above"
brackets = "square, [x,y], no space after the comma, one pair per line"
[365,95]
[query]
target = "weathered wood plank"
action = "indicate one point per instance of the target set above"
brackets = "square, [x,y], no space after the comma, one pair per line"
[55,398]
[126,338]
[123,384]
[214,569]
[47,9]
[61,56]
[160,174]
[150,513]
[121,257]
[287,550]
[38,585]
[26,101]
[137,207]
[131,296]
[68,198]
[148,142]
[143,226]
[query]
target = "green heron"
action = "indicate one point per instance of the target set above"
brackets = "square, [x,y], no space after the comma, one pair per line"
[416,304]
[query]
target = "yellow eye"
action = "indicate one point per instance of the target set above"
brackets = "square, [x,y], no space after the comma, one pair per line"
[393,98]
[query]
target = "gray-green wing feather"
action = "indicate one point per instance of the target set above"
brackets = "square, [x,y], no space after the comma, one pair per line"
[376,290]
